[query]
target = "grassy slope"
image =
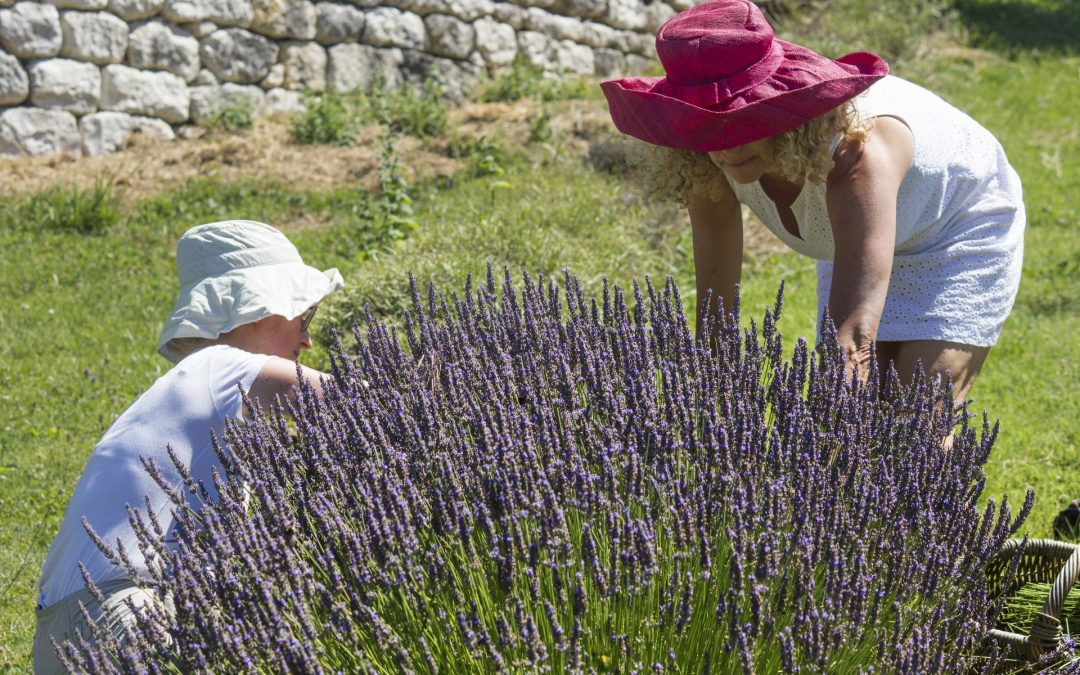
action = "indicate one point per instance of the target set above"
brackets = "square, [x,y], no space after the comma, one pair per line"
[82,313]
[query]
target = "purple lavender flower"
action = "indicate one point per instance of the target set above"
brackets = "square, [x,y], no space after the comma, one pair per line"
[529,479]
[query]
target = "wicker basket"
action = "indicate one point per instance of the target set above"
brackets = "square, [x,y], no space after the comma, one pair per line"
[1043,561]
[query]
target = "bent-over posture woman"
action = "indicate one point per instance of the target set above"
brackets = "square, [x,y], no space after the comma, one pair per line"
[909,206]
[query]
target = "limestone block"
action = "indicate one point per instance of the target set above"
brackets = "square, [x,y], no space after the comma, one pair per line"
[655,15]
[220,12]
[32,131]
[535,48]
[156,45]
[63,84]
[389,27]
[289,19]
[554,26]
[97,37]
[275,78]
[642,44]
[204,77]
[627,14]
[305,65]
[585,9]
[571,57]
[458,78]
[449,36]
[230,12]
[30,30]
[237,55]
[79,4]
[596,35]
[105,132]
[496,42]
[14,83]
[336,22]
[144,92]
[355,66]
[206,102]
[609,63]
[199,29]
[638,65]
[134,10]
[510,14]
[152,127]
[283,101]
[466,10]
[622,40]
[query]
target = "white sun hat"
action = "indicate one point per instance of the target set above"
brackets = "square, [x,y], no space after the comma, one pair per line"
[238,271]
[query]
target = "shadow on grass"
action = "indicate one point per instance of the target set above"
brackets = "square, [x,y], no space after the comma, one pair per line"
[1052,25]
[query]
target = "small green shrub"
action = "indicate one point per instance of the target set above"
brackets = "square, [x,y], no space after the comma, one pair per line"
[417,111]
[328,119]
[59,208]
[540,130]
[526,80]
[486,157]
[238,115]
[393,204]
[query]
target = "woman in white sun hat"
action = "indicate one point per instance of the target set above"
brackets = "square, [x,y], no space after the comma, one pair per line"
[240,322]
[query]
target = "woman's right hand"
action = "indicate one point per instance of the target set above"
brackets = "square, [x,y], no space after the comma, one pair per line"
[718,249]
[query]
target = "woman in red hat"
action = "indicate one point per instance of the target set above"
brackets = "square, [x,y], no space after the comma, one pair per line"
[909,206]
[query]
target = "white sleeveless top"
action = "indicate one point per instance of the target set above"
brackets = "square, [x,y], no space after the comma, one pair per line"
[179,410]
[959,223]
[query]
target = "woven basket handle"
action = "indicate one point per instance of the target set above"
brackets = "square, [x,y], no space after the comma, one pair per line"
[1046,628]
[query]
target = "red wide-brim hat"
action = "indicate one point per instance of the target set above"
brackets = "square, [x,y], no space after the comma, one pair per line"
[729,81]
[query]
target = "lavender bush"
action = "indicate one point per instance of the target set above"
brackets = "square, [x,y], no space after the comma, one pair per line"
[532,481]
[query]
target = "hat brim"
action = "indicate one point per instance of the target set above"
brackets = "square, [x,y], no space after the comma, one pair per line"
[781,103]
[215,305]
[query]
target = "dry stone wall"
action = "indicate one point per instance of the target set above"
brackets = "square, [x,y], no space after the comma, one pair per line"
[80,76]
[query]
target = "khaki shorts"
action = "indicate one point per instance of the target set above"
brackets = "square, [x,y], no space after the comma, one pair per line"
[61,620]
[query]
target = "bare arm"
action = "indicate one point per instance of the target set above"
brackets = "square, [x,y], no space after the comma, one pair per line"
[278,378]
[718,248]
[861,197]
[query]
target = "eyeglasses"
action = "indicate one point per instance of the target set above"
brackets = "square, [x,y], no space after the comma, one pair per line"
[306,317]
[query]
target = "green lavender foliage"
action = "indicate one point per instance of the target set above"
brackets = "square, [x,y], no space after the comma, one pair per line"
[536,480]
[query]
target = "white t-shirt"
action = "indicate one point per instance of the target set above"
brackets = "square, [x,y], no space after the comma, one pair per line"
[179,410]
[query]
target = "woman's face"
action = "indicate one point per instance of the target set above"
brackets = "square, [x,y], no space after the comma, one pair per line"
[745,163]
[273,335]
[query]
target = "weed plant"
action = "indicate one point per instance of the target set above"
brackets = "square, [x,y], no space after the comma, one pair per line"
[420,111]
[486,156]
[90,211]
[526,80]
[329,118]
[334,118]
[234,117]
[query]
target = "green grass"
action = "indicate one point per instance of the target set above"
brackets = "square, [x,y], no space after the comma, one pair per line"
[83,293]
[1030,381]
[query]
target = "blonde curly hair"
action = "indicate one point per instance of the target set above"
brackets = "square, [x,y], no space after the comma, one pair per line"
[801,154]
